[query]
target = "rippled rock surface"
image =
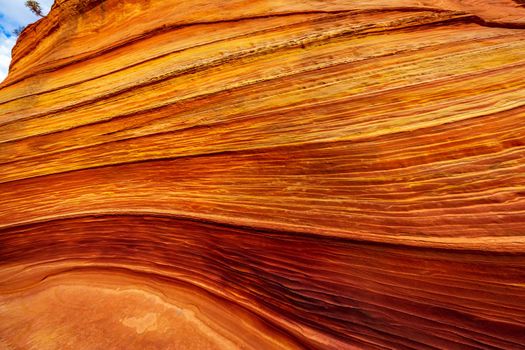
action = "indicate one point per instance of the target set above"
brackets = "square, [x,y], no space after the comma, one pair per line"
[265,174]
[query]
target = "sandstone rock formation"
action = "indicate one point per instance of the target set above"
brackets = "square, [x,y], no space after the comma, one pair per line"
[265,174]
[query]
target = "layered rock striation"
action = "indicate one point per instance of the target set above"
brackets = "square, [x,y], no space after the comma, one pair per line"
[265,174]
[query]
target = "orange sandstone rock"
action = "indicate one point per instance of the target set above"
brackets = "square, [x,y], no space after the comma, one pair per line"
[265,174]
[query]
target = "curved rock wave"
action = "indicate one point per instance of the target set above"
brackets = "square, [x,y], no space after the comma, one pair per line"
[265,174]
[246,285]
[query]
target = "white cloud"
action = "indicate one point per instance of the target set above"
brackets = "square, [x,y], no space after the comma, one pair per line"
[14,14]
[6,44]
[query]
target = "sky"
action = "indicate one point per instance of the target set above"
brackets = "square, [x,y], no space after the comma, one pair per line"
[14,14]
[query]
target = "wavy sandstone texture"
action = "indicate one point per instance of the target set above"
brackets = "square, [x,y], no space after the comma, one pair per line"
[265,174]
